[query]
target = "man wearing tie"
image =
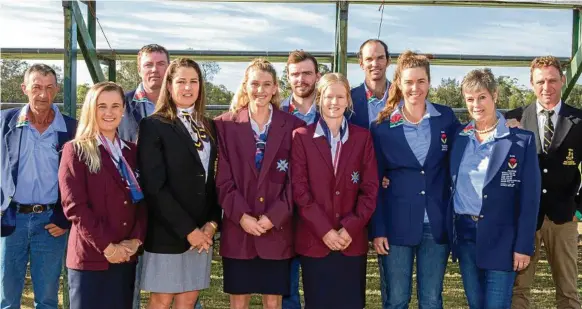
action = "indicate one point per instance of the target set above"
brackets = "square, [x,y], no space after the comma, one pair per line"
[558,130]
[152,62]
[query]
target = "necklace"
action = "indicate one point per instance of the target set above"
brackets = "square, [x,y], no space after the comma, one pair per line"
[406,118]
[487,130]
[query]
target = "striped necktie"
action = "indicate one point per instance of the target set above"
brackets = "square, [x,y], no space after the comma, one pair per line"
[548,130]
[199,131]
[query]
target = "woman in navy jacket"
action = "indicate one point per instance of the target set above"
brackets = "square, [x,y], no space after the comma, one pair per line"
[412,138]
[495,200]
[101,197]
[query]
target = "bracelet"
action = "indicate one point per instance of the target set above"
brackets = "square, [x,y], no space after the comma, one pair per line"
[112,254]
[213,224]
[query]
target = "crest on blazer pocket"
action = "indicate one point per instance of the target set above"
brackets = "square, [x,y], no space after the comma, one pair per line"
[444,146]
[570,157]
[282,165]
[355,177]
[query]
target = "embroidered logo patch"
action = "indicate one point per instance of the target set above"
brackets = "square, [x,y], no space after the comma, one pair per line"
[468,130]
[282,165]
[443,137]
[570,157]
[396,120]
[355,177]
[512,163]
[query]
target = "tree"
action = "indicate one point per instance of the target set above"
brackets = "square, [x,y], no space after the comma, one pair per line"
[284,85]
[12,76]
[447,93]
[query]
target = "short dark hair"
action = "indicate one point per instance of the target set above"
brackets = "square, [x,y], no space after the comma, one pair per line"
[300,55]
[40,68]
[374,41]
[152,48]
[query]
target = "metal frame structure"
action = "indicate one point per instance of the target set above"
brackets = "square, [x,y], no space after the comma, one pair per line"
[77,31]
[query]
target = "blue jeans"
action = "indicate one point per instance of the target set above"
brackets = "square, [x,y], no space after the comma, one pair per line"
[293,300]
[30,239]
[396,273]
[485,289]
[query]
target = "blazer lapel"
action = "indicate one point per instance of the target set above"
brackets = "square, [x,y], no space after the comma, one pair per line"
[400,140]
[13,139]
[530,122]
[345,155]
[324,150]
[108,165]
[274,138]
[458,149]
[247,139]
[185,135]
[563,126]
[136,111]
[498,155]
[435,138]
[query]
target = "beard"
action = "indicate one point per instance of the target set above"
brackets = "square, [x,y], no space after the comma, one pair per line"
[305,94]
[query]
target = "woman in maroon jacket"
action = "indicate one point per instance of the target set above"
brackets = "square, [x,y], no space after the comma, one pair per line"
[335,182]
[101,197]
[254,190]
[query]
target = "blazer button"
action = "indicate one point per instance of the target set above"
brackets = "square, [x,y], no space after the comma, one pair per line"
[124,202]
[545,170]
[481,217]
[544,191]
[124,223]
[261,199]
[485,196]
[337,215]
[422,192]
[336,192]
[422,172]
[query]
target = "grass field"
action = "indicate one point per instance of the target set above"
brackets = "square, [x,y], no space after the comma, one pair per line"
[454,298]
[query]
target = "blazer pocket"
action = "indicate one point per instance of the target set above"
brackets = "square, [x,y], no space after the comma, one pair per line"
[280,166]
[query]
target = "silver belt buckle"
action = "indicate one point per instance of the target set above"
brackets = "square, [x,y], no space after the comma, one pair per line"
[37,208]
[475,218]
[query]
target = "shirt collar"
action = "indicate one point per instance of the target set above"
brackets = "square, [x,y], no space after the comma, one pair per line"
[312,110]
[319,130]
[140,95]
[370,94]
[123,144]
[189,110]
[255,125]
[556,109]
[501,130]
[58,123]
[431,111]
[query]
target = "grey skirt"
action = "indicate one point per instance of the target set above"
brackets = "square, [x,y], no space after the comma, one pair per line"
[176,273]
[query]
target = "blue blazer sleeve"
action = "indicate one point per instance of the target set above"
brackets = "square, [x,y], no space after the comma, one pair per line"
[529,201]
[377,227]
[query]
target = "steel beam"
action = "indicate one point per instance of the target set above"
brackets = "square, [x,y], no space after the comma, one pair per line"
[340,58]
[70,64]
[112,70]
[86,45]
[92,20]
[574,69]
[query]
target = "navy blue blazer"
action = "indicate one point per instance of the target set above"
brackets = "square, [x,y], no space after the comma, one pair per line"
[360,115]
[511,201]
[399,214]
[10,153]
[133,114]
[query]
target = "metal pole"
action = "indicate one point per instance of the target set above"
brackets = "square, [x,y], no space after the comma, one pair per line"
[70,63]
[112,70]
[341,38]
[92,20]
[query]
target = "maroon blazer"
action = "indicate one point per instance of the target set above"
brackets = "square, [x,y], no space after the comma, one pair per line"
[99,206]
[326,201]
[243,189]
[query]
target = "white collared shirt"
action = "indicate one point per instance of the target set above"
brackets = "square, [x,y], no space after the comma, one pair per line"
[205,153]
[319,132]
[542,118]
[255,125]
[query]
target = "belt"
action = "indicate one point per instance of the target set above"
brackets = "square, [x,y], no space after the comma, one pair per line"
[34,208]
[472,217]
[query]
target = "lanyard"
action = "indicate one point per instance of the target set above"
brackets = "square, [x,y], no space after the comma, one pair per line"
[338,151]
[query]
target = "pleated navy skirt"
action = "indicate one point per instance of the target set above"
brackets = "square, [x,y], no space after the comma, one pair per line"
[256,276]
[98,289]
[335,281]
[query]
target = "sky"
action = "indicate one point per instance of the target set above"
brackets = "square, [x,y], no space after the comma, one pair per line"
[214,25]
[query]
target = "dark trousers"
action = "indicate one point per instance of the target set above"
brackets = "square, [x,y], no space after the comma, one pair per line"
[111,289]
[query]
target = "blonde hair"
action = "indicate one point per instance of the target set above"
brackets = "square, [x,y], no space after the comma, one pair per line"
[479,79]
[165,106]
[407,60]
[241,97]
[85,142]
[329,79]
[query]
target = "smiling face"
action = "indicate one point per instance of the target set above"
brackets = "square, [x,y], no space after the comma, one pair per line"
[547,84]
[414,84]
[260,88]
[334,101]
[302,77]
[109,112]
[373,61]
[480,104]
[185,87]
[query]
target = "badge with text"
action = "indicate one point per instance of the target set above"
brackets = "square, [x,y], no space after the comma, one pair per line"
[509,177]
[282,165]
[570,157]
[444,146]
[355,177]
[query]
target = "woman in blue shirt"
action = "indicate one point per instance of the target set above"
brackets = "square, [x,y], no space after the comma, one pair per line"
[495,197]
[412,137]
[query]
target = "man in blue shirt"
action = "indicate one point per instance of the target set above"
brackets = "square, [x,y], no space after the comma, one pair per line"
[303,74]
[152,62]
[33,224]
[370,97]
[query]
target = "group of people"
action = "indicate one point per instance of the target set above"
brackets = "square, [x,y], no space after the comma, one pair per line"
[144,181]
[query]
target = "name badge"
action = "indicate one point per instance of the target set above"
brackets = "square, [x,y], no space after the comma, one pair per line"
[508,177]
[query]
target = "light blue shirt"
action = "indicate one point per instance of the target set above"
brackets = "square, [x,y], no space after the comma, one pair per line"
[141,98]
[375,105]
[418,136]
[38,161]
[468,197]
[255,125]
[309,118]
